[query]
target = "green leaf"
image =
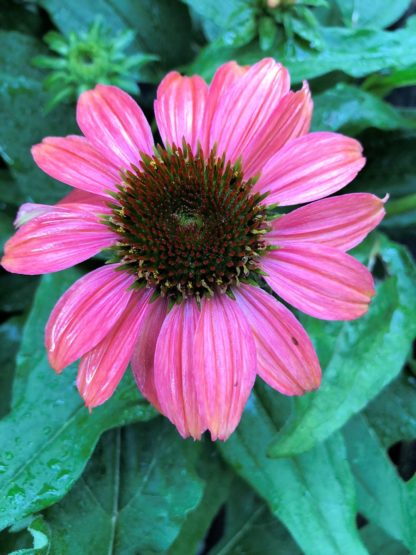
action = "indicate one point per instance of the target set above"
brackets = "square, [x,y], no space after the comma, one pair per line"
[351,110]
[48,437]
[384,82]
[312,494]
[16,292]
[10,336]
[380,343]
[134,496]
[217,480]
[39,530]
[24,122]
[379,543]
[250,528]
[393,413]
[382,496]
[356,52]
[162,27]
[377,13]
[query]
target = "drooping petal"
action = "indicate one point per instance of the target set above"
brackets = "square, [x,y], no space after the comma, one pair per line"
[113,122]
[57,239]
[286,359]
[175,372]
[291,119]
[86,313]
[75,162]
[322,281]
[179,108]
[310,167]
[341,222]
[225,76]
[102,368]
[225,364]
[247,106]
[142,362]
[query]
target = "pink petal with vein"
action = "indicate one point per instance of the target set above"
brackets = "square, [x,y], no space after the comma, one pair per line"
[142,362]
[310,167]
[175,372]
[286,358]
[291,119]
[179,108]
[75,162]
[113,122]
[76,196]
[322,281]
[247,105]
[225,76]
[57,239]
[225,364]
[86,313]
[341,222]
[102,368]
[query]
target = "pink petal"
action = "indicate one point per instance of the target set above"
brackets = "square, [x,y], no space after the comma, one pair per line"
[224,77]
[31,210]
[225,364]
[142,362]
[291,119]
[310,167]
[322,281]
[175,372]
[341,222]
[86,313]
[75,162]
[179,108]
[102,368]
[57,239]
[76,196]
[247,106]
[113,122]
[285,355]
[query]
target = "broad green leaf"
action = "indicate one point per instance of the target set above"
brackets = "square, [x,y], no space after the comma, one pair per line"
[384,82]
[40,533]
[10,336]
[234,24]
[383,497]
[217,480]
[134,496]
[24,123]
[349,109]
[356,52]
[377,13]
[366,355]
[393,413]
[312,494]
[48,437]
[162,27]
[250,528]
[379,543]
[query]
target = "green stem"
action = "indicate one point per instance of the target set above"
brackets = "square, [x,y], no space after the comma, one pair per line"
[401,205]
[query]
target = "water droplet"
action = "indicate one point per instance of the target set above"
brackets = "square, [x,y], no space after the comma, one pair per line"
[8,455]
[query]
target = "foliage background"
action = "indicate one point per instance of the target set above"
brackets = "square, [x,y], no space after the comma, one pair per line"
[331,473]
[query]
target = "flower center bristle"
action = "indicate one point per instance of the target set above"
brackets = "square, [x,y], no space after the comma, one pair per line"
[188,225]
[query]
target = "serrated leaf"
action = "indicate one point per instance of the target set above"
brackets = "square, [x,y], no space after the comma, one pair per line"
[365,356]
[382,496]
[24,122]
[312,494]
[377,13]
[48,437]
[349,109]
[134,496]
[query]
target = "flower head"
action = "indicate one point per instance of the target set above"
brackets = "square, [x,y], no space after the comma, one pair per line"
[194,238]
[88,58]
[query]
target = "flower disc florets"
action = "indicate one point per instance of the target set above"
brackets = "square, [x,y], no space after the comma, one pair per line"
[188,225]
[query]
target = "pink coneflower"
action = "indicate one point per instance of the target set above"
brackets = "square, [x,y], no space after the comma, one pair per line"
[194,234]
